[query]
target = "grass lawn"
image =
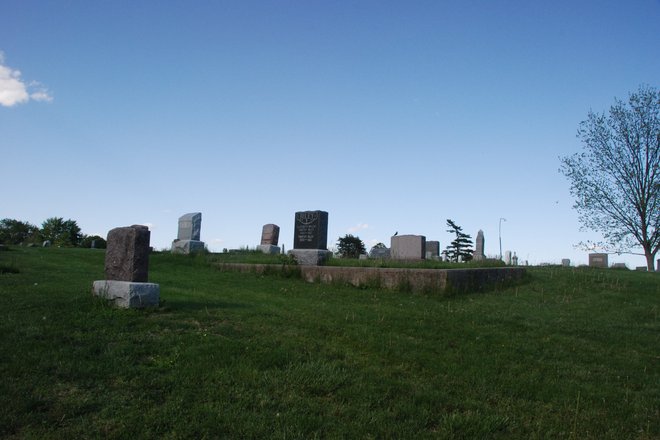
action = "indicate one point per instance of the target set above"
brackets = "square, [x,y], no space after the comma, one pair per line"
[572,353]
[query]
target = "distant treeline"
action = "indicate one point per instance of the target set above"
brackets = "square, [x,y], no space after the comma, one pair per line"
[55,230]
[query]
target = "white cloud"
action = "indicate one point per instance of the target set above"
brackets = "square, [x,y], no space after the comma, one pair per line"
[13,90]
[358,227]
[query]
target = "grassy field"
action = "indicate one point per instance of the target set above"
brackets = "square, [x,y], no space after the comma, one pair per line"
[572,353]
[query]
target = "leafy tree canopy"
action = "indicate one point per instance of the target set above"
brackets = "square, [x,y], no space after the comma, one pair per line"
[616,178]
[16,232]
[350,247]
[61,232]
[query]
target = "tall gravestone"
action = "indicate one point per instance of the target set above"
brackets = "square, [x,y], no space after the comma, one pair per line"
[408,247]
[479,254]
[432,250]
[270,236]
[127,269]
[310,238]
[188,235]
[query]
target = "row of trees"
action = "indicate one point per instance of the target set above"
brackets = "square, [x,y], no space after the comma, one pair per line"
[460,249]
[56,230]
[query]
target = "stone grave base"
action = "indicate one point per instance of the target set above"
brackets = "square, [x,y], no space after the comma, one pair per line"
[187,246]
[269,249]
[310,257]
[127,294]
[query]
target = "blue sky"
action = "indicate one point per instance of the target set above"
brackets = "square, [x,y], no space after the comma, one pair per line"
[391,116]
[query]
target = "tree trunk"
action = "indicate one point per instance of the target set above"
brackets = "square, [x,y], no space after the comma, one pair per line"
[650,263]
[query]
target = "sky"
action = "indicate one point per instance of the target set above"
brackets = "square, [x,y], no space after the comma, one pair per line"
[391,116]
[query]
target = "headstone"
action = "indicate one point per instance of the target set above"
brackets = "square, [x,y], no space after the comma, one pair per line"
[188,235]
[311,230]
[507,257]
[619,266]
[310,238]
[46,243]
[598,260]
[641,268]
[380,252]
[408,247]
[514,259]
[127,254]
[566,262]
[127,269]
[479,254]
[270,235]
[432,250]
[93,245]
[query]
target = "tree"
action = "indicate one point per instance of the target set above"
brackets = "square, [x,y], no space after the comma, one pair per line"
[350,246]
[461,248]
[616,179]
[61,232]
[16,232]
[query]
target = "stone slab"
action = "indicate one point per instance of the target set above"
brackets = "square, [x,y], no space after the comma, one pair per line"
[432,248]
[442,281]
[311,230]
[270,234]
[190,226]
[311,257]
[408,247]
[598,260]
[383,253]
[187,246]
[269,249]
[128,295]
[127,254]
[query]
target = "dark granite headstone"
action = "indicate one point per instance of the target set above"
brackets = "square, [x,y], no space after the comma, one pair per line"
[270,234]
[127,254]
[311,230]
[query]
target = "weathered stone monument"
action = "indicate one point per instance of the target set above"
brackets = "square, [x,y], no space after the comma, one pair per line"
[432,250]
[127,269]
[270,236]
[479,254]
[379,252]
[507,257]
[514,259]
[188,236]
[310,238]
[598,260]
[566,262]
[408,247]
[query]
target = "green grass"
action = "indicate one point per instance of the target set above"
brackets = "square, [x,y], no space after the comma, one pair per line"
[573,353]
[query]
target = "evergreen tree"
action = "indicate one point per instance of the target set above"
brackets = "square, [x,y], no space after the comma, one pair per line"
[461,248]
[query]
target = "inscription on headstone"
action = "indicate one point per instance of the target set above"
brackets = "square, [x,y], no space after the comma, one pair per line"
[311,230]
